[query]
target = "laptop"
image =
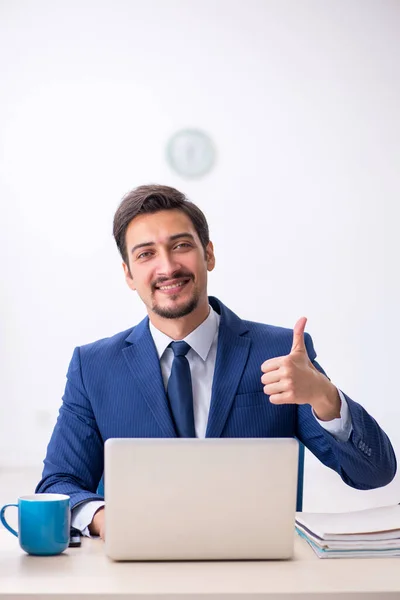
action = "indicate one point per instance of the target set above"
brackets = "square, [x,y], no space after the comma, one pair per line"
[200,499]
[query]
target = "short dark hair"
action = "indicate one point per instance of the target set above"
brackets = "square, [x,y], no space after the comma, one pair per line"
[147,199]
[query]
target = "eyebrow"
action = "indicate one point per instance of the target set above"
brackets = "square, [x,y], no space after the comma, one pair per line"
[171,239]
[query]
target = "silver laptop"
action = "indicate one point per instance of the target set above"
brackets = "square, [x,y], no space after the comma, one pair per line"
[200,499]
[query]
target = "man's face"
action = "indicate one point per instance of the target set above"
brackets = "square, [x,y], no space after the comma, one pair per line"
[167,264]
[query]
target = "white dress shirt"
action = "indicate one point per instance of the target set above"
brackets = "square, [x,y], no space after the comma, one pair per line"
[203,343]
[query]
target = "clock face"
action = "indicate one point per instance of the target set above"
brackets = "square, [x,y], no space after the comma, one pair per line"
[191,153]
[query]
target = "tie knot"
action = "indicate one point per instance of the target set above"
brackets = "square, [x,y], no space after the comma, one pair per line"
[180,348]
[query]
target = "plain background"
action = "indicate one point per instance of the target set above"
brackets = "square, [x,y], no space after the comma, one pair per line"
[301,98]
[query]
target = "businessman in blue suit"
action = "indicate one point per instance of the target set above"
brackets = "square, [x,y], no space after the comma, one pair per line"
[194,368]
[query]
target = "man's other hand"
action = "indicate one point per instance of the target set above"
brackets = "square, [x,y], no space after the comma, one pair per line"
[96,527]
[293,379]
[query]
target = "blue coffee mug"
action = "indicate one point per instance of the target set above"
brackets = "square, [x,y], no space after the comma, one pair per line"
[43,523]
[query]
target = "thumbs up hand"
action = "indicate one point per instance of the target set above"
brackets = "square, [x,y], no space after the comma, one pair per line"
[293,379]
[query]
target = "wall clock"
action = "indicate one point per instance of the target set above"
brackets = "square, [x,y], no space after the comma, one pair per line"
[191,153]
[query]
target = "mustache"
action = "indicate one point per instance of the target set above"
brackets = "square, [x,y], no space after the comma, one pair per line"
[177,275]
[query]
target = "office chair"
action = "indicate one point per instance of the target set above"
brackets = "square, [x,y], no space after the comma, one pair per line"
[300,481]
[100,489]
[300,478]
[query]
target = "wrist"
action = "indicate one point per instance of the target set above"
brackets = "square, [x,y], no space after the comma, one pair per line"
[328,408]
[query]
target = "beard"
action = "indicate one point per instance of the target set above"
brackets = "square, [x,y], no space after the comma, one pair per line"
[179,311]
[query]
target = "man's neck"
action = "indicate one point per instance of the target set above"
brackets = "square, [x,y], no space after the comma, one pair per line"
[178,329]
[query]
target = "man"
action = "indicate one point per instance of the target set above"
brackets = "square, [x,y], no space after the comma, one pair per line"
[194,368]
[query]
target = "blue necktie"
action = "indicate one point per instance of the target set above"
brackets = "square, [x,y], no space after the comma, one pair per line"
[179,391]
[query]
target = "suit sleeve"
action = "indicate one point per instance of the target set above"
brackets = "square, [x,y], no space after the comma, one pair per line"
[74,461]
[366,460]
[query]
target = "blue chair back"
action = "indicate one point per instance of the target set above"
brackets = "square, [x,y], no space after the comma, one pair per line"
[100,489]
[300,479]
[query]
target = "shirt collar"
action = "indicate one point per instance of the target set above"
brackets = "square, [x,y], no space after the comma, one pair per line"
[200,339]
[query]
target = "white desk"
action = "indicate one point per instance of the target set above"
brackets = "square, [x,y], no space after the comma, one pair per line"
[87,573]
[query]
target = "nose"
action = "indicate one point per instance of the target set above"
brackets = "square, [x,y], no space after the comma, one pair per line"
[167,264]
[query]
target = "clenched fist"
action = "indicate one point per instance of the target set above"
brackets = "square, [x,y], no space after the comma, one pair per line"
[293,379]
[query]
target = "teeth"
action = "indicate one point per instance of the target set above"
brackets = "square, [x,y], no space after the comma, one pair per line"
[170,287]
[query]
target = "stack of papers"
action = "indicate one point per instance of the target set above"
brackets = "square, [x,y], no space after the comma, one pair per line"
[361,533]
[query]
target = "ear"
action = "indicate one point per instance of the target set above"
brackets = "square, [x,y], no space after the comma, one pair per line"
[128,276]
[210,258]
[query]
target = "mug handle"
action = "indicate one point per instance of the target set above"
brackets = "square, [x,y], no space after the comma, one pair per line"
[3,519]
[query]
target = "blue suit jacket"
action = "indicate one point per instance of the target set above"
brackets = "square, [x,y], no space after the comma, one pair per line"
[115,389]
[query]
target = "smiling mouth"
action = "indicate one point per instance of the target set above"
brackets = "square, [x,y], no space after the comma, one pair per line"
[171,287]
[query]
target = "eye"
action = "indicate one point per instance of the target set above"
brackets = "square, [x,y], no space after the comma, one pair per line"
[183,245]
[144,255]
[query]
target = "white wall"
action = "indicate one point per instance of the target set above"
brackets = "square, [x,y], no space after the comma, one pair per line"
[302,100]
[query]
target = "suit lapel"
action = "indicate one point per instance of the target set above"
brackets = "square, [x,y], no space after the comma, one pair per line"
[232,354]
[144,364]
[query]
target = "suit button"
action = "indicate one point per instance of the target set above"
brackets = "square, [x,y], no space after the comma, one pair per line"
[369,452]
[360,444]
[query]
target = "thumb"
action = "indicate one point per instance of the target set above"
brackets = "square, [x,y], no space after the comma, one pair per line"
[298,336]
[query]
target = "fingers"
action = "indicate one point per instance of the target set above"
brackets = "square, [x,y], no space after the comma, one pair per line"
[298,336]
[283,376]
[298,345]
[272,364]
[277,381]
[275,388]
[271,377]
[283,398]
